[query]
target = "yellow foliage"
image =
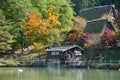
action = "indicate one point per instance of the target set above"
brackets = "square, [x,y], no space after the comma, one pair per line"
[87,45]
[113,33]
[52,19]
[39,45]
[78,30]
[66,30]
[80,22]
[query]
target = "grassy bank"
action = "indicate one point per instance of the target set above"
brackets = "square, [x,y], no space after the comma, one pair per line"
[14,60]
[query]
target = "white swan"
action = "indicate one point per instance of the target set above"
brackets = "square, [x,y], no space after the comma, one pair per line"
[20,70]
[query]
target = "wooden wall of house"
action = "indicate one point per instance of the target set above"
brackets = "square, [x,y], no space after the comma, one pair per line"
[49,56]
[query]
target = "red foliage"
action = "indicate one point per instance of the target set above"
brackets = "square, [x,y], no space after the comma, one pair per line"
[108,37]
[85,37]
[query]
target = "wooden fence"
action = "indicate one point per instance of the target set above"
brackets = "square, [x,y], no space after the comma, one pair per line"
[39,63]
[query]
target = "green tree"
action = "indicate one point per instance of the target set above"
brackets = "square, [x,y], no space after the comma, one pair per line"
[117,4]
[105,2]
[82,4]
[17,11]
[118,8]
[6,39]
[117,35]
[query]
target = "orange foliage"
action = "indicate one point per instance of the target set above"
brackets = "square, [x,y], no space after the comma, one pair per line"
[72,37]
[33,24]
[34,20]
[36,25]
[29,32]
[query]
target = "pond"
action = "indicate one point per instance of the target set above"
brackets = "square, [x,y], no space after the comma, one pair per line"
[57,74]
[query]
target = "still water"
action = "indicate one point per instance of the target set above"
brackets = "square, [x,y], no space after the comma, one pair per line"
[57,74]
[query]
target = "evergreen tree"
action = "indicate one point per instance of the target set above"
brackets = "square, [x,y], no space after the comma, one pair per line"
[82,4]
[17,11]
[117,4]
[6,39]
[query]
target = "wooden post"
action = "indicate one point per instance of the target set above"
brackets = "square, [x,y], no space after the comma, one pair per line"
[110,61]
[105,62]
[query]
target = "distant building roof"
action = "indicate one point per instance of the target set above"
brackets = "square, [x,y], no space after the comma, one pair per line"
[96,26]
[97,12]
[62,48]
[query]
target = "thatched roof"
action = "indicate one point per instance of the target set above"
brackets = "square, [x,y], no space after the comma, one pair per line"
[96,26]
[97,12]
[62,48]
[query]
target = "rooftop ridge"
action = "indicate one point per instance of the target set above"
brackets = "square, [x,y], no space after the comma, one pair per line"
[97,7]
[97,20]
[62,48]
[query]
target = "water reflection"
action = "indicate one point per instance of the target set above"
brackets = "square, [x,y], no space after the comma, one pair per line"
[53,73]
[64,74]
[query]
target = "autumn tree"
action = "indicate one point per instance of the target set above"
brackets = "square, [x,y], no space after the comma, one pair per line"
[35,30]
[87,39]
[63,9]
[108,37]
[74,35]
[43,30]
[52,17]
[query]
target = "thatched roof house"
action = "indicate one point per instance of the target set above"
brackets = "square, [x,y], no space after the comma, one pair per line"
[98,12]
[97,26]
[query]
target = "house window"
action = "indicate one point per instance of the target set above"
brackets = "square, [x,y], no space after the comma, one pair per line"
[52,53]
[77,52]
[55,53]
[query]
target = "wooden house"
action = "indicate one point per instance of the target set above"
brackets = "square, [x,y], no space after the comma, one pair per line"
[97,26]
[101,12]
[98,31]
[63,53]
